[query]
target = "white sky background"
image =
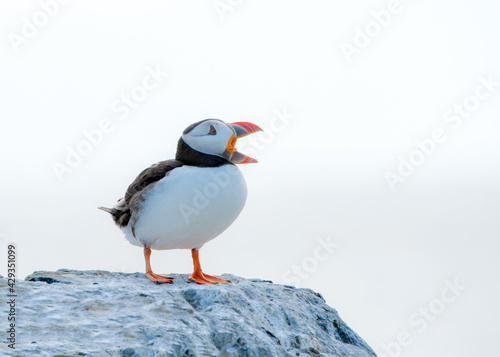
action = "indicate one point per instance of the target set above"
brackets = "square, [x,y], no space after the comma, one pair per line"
[322,175]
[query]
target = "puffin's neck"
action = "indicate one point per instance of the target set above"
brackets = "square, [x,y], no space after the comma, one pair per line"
[189,156]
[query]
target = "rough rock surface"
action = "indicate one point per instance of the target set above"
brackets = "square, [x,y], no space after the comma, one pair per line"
[99,313]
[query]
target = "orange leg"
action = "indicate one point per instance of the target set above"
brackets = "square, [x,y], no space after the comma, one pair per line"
[158,279]
[200,277]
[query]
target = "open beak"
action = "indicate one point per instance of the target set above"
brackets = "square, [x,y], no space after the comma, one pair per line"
[241,129]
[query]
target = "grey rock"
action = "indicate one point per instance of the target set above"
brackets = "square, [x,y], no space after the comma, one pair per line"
[100,313]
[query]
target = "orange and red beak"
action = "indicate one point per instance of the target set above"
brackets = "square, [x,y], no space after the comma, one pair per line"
[240,129]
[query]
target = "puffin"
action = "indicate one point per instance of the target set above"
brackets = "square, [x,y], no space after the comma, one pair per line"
[185,202]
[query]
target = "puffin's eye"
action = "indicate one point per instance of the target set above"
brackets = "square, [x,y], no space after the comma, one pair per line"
[212,130]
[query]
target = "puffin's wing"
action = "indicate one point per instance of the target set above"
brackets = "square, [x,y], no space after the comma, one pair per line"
[149,176]
[125,209]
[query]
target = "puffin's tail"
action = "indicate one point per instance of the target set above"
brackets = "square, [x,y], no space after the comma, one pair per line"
[120,213]
[111,211]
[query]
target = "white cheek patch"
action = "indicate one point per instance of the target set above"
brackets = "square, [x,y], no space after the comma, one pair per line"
[199,140]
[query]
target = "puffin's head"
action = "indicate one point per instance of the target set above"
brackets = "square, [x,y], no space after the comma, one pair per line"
[215,137]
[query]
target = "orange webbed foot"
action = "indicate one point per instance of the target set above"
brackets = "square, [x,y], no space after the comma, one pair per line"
[201,278]
[155,278]
[198,276]
[159,279]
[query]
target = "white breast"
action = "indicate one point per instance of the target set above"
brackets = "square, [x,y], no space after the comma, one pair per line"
[189,207]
